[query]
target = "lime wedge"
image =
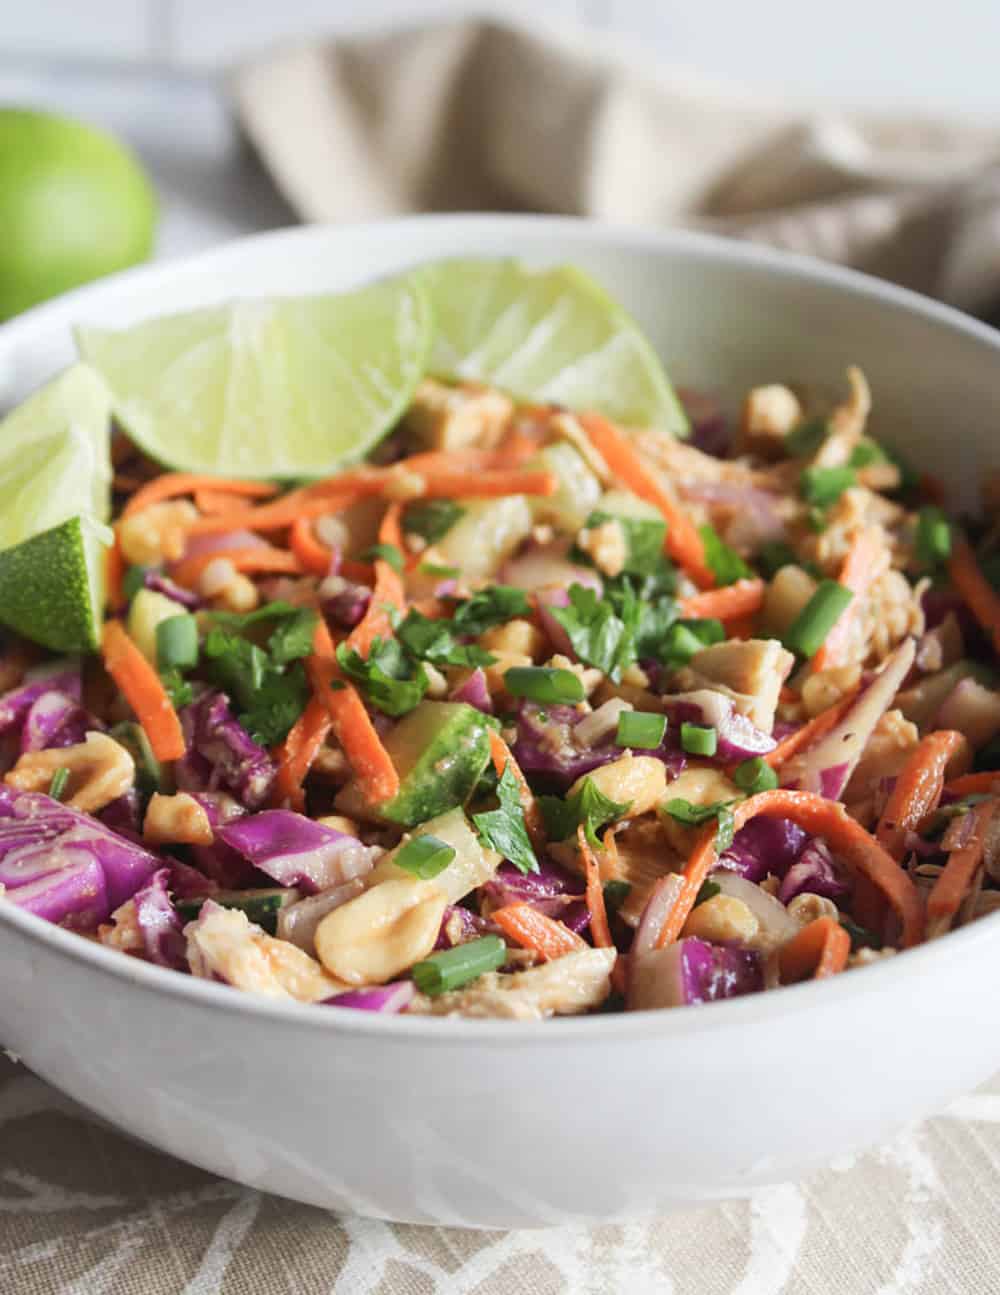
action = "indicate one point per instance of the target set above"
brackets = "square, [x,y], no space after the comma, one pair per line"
[292,387]
[547,336]
[55,484]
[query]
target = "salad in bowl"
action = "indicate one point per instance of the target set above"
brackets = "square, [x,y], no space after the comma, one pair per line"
[420,650]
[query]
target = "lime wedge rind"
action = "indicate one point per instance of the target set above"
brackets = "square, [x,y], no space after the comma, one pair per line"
[551,335]
[52,586]
[287,388]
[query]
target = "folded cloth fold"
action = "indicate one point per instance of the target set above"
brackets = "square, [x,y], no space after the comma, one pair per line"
[478,114]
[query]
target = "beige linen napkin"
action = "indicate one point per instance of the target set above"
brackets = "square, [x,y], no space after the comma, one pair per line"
[477,115]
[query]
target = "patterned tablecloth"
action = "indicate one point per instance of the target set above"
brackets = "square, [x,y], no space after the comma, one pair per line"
[84,1211]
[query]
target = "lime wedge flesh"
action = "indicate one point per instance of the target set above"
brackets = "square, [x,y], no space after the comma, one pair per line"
[55,483]
[551,336]
[291,387]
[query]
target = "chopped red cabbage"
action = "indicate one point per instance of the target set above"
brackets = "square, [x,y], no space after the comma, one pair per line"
[57,677]
[54,720]
[815,872]
[377,998]
[162,584]
[693,971]
[765,845]
[237,762]
[74,895]
[296,851]
[159,922]
[220,861]
[738,737]
[124,815]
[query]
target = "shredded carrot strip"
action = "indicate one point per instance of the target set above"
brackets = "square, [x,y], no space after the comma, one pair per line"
[369,760]
[514,452]
[388,595]
[599,929]
[215,501]
[857,572]
[918,788]
[269,517]
[810,732]
[977,592]
[312,555]
[684,544]
[172,484]
[299,750]
[743,598]
[445,484]
[142,689]
[114,575]
[973,784]
[262,560]
[820,949]
[821,817]
[959,873]
[534,930]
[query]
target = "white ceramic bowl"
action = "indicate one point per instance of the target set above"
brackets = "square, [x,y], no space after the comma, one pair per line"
[505,1124]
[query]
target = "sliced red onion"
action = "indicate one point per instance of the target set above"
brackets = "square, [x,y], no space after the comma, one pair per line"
[545,743]
[738,737]
[159,923]
[710,430]
[837,754]
[74,895]
[224,865]
[693,971]
[775,925]
[662,898]
[547,566]
[343,602]
[296,851]
[162,584]
[123,815]
[387,999]
[474,692]
[297,922]
[816,873]
[198,545]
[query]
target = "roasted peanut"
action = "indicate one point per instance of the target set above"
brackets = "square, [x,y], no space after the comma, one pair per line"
[370,939]
[638,781]
[805,908]
[723,917]
[157,533]
[100,770]
[176,820]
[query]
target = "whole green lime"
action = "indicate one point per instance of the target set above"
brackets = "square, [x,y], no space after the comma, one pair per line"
[74,204]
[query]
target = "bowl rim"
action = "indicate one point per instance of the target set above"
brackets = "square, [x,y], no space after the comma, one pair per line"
[737,1012]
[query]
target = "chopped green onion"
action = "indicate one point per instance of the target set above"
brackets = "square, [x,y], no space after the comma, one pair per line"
[709,890]
[425,856]
[641,729]
[807,633]
[545,684]
[58,784]
[824,486]
[698,740]
[755,775]
[453,968]
[135,579]
[806,439]
[387,552]
[433,569]
[933,537]
[177,642]
[726,829]
[615,894]
[865,454]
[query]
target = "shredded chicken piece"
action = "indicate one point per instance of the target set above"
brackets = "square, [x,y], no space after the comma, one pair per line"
[750,672]
[566,986]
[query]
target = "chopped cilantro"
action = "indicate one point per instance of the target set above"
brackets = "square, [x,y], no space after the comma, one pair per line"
[503,829]
[588,806]
[278,703]
[176,687]
[644,537]
[432,518]
[601,637]
[390,680]
[493,606]
[433,640]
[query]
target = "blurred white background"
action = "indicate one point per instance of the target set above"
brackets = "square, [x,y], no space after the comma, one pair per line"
[151,69]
